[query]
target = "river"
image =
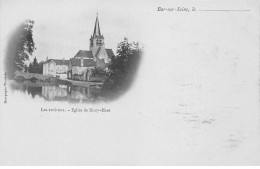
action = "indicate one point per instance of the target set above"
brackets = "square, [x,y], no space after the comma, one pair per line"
[58,92]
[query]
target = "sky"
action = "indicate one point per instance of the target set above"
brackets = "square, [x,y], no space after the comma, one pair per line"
[63,27]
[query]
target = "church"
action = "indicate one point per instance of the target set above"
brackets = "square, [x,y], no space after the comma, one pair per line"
[80,66]
[96,57]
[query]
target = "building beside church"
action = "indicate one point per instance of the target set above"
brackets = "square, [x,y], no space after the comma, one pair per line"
[56,68]
[96,57]
[81,65]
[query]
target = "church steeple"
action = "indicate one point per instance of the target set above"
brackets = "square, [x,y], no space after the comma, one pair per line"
[97,28]
[97,39]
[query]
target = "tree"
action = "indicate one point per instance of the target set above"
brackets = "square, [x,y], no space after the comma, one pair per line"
[20,48]
[127,58]
[30,68]
[40,67]
[123,68]
[34,67]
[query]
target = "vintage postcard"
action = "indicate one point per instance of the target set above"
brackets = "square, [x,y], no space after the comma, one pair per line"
[116,82]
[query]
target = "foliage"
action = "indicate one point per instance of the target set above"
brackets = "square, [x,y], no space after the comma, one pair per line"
[40,67]
[20,48]
[97,75]
[25,45]
[123,68]
[34,66]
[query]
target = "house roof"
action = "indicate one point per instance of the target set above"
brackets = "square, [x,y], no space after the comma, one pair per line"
[58,61]
[86,62]
[84,54]
[61,62]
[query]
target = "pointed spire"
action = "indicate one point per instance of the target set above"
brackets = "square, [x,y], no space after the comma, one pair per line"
[97,28]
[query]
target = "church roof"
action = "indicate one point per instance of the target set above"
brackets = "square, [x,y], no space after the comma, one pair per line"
[110,53]
[97,28]
[84,54]
[97,51]
[86,62]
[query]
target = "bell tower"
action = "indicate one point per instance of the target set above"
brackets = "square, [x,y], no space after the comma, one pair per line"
[97,39]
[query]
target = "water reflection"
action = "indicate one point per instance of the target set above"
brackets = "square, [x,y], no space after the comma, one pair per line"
[58,92]
[54,92]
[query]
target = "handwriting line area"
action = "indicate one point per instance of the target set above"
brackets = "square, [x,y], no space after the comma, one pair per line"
[225,10]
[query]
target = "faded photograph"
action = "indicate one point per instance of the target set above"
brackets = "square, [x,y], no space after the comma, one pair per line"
[129,82]
[93,73]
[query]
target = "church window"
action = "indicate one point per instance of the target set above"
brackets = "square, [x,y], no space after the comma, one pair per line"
[99,42]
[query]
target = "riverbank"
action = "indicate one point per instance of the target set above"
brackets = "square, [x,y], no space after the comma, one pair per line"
[21,76]
[80,83]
